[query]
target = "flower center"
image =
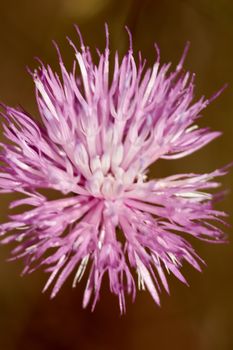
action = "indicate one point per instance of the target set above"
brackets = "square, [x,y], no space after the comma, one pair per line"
[112,185]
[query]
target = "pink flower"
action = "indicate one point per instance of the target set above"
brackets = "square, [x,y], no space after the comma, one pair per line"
[97,139]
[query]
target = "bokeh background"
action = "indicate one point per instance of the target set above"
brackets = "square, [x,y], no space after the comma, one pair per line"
[196,318]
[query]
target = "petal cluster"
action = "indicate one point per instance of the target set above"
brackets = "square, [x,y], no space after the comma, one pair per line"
[95,142]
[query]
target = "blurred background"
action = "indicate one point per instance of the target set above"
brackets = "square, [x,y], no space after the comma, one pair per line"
[196,318]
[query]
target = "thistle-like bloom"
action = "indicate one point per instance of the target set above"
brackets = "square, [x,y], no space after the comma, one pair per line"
[97,139]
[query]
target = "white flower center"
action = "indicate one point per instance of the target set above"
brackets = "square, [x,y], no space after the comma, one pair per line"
[110,182]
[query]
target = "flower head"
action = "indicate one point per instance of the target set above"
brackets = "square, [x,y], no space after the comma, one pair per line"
[97,139]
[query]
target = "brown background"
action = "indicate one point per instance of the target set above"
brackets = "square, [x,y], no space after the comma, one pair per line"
[195,318]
